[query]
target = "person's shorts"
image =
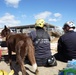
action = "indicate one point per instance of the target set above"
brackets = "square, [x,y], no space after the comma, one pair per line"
[41,62]
[50,61]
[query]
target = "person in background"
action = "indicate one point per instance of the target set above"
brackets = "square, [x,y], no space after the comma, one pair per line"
[67,43]
[41,40]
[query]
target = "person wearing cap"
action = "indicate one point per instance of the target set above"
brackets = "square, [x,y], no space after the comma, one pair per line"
[67,43]
[41,40]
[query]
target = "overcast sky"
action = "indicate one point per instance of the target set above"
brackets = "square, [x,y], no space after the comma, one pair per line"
[25,12]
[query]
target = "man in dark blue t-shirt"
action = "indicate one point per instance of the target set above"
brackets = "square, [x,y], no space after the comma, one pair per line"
[41,40]
[67,43]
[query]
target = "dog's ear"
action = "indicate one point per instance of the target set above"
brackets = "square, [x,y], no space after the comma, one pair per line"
[5,27]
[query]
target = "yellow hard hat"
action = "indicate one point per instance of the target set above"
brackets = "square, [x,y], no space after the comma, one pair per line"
[39,23]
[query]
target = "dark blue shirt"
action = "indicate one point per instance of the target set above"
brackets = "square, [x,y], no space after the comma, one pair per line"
[67,45]
[41,41]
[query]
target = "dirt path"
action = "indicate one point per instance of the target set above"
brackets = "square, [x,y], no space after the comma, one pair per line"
[30,70]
